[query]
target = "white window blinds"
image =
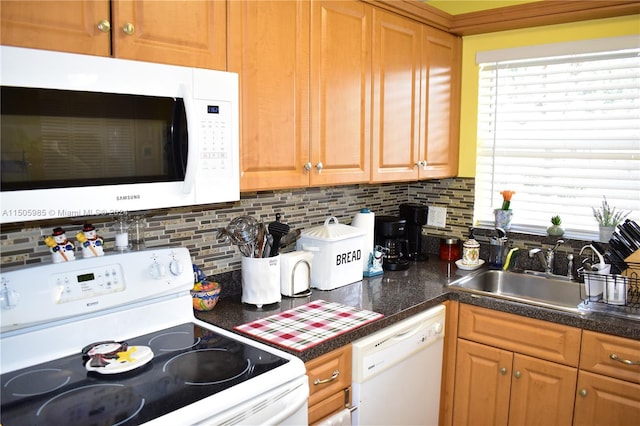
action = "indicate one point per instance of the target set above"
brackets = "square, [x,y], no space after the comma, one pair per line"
[562,132]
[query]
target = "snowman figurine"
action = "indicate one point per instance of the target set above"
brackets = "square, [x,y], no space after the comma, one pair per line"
[61,248]
[92,243]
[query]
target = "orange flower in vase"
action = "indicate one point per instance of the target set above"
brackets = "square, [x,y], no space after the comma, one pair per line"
[503,215]
[506,199]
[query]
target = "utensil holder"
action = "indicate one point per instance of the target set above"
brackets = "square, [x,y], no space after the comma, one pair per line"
[261,280]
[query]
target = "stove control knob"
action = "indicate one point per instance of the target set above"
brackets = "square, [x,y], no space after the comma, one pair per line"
[8,297]
[157,270]
[175,267]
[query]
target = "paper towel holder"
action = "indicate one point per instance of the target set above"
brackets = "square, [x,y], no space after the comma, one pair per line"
[306,292]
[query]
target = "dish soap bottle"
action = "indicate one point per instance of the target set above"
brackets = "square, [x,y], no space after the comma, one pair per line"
[471,251]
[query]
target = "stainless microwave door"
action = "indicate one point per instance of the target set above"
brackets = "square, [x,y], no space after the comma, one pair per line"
[60,138]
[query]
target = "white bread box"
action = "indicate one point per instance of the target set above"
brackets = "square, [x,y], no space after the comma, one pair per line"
[337,253]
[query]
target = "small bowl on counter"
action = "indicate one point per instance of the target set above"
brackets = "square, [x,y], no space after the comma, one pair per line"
[205,295]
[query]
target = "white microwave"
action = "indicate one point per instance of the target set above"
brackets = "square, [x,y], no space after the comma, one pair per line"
[86,135]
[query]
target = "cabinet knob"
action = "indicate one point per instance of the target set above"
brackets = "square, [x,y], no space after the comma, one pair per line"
[128,28]
[517,374]
[319,166]
[307,166]
[582,392]
[503,371]
[104,26]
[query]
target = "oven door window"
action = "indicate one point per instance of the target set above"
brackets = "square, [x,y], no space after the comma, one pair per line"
[60,138]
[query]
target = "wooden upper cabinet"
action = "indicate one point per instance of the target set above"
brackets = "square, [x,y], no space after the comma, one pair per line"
[269,49]
[189,33]
[340,110]
[397,50]
[68,26]
[440,104]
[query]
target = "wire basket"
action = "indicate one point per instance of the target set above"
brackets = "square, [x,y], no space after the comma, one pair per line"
[615,294]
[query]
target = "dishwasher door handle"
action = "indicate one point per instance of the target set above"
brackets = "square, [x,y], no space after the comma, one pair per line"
[334,376]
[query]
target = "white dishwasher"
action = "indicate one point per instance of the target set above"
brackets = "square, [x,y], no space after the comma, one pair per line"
[397,372]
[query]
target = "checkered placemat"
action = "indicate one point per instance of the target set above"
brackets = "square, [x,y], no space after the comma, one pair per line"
[308,325]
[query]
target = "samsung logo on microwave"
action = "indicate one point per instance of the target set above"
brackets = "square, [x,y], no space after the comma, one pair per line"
[128,197]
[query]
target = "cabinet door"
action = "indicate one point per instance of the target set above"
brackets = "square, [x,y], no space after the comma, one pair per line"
[272,60]
[340,92]
[440,103]
[542,392]
[188,32]
[397,49]
[602,400]
[482,385]
[68,26]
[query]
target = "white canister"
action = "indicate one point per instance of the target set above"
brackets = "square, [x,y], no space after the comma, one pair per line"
[261,280]
[365,219]
[471,252]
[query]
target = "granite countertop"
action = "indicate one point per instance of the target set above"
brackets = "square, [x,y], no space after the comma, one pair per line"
[400,294]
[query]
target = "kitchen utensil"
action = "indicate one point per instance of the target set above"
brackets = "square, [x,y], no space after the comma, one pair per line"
[291,237]
[278,230]
[260,240]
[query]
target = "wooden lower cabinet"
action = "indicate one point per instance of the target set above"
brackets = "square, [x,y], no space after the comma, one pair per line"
[329,383]
[513,370]
[498,387]
[507,375]
[609,381]
[603,400]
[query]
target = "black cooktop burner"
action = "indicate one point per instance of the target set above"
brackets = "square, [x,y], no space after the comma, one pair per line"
[190,363]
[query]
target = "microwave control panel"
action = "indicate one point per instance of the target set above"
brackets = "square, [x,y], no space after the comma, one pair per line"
[215,138]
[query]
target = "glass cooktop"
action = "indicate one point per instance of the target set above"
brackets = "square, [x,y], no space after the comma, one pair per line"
[189,363]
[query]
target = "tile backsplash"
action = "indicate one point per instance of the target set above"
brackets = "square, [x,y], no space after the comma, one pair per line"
[196,227]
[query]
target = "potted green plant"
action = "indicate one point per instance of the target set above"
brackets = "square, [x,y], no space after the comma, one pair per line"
[608,218]
[555,230]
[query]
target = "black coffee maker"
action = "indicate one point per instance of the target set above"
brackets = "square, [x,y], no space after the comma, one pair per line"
[391,233]
[416,216]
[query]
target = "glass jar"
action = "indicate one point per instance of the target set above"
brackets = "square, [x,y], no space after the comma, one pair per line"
[121,226]
[449,249]
[136,232]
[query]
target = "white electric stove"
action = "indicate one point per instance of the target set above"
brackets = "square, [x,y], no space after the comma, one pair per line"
[197,373]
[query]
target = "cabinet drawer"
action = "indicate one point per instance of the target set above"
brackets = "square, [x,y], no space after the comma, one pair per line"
[606,354]
[321,372]
[541,339]
[329,406]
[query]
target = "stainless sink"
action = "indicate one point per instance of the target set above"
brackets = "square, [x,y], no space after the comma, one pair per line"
[547,291]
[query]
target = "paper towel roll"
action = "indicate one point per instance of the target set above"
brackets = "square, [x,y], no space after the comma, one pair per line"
[366,220]
[341,418]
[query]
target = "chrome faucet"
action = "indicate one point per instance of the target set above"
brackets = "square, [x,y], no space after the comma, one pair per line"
[546,260]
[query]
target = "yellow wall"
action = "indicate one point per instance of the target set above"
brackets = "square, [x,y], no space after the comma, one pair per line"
[612,27]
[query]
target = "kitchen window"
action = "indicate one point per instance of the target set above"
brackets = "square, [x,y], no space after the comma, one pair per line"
[559,125]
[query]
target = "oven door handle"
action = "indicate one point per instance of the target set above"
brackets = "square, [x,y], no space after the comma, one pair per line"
[301,399]
[193,146]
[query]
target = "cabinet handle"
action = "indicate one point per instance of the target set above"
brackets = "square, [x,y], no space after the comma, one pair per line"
[319,166]
[582,392]
[128,28]
[104,26]
[503,371]
[334,376]
[517,374]
[307,166]
[624,361]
